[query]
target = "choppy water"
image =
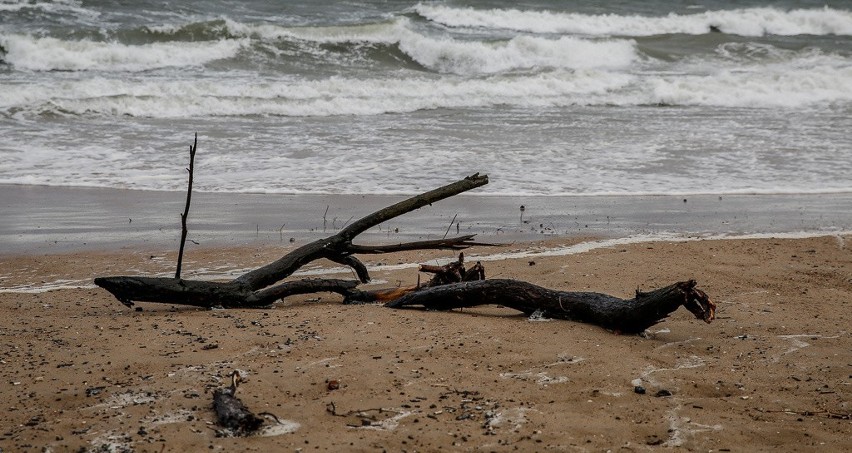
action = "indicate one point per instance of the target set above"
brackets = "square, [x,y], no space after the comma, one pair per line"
[548,98]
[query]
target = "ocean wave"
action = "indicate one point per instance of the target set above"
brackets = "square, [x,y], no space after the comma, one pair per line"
[744,22]
[376,47]
[450,55]
[52,7]
[209,30]
[523,52]
[808,82]
[782,86]
[384,32]
[30,53]
[347,175]
[327,97]
[198,43]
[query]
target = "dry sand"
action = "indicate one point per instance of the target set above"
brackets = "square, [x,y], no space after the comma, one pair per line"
[772,373]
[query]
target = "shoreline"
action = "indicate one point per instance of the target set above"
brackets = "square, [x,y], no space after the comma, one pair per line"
[43,219]
[225,270]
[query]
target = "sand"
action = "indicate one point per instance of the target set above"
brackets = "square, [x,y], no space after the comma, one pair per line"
[772,373]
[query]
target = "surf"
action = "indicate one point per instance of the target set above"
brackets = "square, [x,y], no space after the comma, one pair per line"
[744,22]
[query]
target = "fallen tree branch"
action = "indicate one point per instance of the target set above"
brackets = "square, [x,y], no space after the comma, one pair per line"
[451,286]
[340,244]
[269,295]
[129,289]
[627,316]
[457,243]
[248,289]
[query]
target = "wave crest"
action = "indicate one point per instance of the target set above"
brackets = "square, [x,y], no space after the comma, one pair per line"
[519,53]
[809,82]
[28,53]
[745,22]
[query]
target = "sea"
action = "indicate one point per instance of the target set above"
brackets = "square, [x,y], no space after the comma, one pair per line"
[549,98]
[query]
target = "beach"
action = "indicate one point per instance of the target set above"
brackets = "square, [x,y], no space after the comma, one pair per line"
[629,146]
[772,372]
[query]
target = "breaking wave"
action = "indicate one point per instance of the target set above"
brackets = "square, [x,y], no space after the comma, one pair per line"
[744,22]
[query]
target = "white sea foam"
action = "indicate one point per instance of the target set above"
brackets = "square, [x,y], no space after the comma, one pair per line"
[522,52]
[332,96]
[29,53]
[54,7]
[792,84]
[746,22]
[798,82]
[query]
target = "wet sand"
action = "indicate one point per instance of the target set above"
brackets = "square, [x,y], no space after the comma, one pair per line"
[772,373]
[49,220]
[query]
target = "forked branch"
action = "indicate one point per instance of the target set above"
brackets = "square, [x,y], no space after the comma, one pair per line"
[248,289]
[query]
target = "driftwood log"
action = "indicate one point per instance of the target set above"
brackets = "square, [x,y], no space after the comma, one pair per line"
[451,286]
[625,316]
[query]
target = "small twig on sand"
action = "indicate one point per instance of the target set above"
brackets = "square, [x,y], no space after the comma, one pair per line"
[364,415]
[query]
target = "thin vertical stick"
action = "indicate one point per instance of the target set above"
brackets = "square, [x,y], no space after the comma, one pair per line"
[186,209]
[450,226]
[324,221]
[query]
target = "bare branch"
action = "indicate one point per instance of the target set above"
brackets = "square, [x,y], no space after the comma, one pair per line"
[185,214]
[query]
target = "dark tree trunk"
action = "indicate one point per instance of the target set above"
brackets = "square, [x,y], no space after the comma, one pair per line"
[214,294]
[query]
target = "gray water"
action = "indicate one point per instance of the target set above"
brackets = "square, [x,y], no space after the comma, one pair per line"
[548,98]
